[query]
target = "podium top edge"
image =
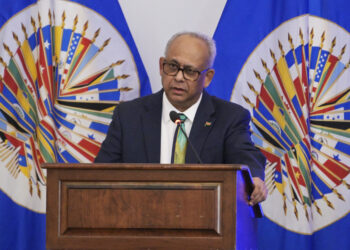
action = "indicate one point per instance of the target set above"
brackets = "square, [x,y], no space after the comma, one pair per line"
[144,166]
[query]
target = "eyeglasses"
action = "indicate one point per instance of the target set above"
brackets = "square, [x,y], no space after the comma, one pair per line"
[171,69]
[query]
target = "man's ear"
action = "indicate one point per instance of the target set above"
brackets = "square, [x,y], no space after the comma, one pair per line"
[161,61]
[208,77]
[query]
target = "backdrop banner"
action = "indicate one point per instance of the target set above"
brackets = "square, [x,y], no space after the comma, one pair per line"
[288,63]
[64,66]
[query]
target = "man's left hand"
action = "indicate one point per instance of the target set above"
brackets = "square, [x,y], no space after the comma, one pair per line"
[259,193]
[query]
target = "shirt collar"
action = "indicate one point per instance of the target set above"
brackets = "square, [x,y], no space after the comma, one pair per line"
[190,112]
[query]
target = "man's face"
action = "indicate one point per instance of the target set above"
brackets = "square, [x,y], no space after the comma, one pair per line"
[189,53]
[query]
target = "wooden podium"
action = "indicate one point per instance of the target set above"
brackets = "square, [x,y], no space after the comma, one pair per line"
[149,206]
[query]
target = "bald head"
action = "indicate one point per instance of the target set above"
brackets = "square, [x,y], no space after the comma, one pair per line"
[207,41]
[185,70]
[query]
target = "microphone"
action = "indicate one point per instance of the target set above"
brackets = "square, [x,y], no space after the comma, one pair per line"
[175,117]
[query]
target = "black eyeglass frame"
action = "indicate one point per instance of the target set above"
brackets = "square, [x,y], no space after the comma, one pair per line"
[183,72]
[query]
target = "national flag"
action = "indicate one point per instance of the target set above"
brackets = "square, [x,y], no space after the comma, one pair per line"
[65,65]
[288,63]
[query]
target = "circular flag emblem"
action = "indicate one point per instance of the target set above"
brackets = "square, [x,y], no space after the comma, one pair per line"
[296,85]
[62,73]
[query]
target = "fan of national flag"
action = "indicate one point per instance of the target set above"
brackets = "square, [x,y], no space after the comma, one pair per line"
[53,108]
[301,122]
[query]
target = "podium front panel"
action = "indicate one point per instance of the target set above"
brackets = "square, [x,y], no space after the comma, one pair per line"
[142,207]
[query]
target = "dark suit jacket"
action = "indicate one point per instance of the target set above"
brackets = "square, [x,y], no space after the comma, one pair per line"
[220,134]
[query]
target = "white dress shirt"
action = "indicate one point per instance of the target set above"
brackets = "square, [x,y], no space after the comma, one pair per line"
[168,127]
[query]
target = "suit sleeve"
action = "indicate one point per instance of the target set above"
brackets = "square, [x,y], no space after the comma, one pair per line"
[240,149]
[111,148]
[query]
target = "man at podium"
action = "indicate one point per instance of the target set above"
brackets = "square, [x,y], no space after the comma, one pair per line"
[154,128]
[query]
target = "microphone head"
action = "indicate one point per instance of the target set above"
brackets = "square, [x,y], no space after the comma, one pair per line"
[175,117]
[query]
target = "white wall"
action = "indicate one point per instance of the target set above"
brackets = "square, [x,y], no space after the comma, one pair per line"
[153,22]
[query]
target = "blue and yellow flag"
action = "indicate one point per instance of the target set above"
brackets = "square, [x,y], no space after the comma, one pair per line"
[288,63]
[64,66]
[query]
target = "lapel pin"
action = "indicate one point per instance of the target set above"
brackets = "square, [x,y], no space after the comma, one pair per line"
[207,124]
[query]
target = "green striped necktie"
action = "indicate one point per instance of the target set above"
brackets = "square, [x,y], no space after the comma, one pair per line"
[181,142]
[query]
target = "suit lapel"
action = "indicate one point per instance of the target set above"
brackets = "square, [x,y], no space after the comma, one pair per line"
[151,120]
[202,124]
